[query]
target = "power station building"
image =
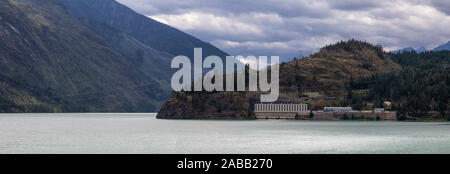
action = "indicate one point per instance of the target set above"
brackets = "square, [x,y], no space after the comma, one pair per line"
[280,110]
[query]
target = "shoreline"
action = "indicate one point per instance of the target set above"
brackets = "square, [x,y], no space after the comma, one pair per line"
[154,114]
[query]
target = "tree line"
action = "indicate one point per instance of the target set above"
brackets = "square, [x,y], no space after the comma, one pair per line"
[420,87]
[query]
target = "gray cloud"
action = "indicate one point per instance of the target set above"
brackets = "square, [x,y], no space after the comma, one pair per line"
[290,28]
[442,5]
[351,5]
[287,8]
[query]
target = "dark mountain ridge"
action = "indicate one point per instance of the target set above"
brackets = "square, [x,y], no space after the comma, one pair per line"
[54,61]
[150,32]
[445,46]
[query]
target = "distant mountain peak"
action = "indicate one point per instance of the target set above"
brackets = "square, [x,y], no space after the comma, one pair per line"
[421,49]
[445,46]
[410,49]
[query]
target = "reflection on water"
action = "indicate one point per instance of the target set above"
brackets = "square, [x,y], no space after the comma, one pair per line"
[143,133]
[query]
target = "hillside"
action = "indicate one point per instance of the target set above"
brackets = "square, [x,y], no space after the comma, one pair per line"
[86,56]
[153,63]
[148,31]
[50,62]
[326,70]
[324,73]
[419,91]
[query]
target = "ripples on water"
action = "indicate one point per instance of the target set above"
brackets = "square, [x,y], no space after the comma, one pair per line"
[143,133]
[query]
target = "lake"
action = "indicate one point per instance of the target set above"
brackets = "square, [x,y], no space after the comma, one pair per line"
[143,133]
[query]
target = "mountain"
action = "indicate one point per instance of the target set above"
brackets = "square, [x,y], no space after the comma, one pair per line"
[153,63]
[51,62]
[324,73]
[146,30]
[410,49]
[445,46]
[421,49]
[86,56]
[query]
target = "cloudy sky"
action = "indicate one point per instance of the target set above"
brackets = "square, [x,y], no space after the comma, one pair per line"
[289,28]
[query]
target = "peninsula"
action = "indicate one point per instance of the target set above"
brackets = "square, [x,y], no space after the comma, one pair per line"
[347,80]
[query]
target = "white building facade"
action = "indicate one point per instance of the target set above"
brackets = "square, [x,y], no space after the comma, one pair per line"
[281,108]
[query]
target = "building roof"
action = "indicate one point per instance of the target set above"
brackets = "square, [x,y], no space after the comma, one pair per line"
[338,108]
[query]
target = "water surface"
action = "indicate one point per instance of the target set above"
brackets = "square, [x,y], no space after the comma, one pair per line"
[143,133]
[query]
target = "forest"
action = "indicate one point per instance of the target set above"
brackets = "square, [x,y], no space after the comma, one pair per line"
[420,89]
